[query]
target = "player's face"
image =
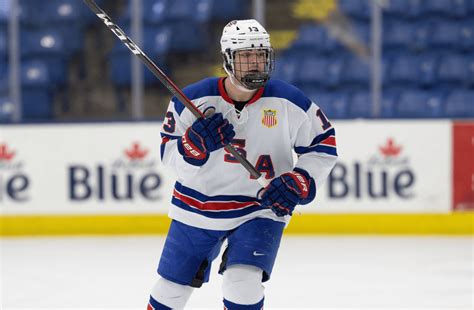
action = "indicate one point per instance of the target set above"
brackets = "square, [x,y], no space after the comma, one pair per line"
[248,61]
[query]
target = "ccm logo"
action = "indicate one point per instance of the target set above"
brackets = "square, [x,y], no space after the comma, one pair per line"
[190,149]
[302,180]
[120,34]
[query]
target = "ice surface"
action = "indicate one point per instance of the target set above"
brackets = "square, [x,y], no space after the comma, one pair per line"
[323,272]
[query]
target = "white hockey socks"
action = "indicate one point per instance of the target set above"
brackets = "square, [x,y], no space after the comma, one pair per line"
[169,295]
[242,287]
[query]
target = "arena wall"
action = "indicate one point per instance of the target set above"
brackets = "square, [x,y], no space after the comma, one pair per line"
[392,177]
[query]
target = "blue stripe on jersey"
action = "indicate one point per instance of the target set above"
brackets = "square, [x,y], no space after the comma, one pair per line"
[316,148]
[163,145]
[219,198]
[216,214]
[281,89]
[324,136]
[171,137]
[203,88]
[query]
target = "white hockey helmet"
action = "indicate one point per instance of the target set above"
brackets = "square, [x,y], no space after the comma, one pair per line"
[246,34]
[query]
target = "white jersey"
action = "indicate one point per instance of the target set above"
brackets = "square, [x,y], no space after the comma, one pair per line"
[276,123]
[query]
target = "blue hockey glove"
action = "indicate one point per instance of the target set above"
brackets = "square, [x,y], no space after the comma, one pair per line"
[285,192]
[205,136]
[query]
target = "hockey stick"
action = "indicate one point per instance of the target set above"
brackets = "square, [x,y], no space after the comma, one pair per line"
[168,84]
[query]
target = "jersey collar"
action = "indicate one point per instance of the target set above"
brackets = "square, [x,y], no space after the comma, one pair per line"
[226,97]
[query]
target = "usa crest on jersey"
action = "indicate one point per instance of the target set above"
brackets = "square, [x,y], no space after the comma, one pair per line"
[269,118]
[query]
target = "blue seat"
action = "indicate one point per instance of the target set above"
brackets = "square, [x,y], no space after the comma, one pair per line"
[436,6]
[356,72]
[311,70]
[35,87]
[3,77]
[181,9]
[356,8]
[403,70]
[449,34]
[335,71]
[32,12]
[286,69]
[203,11]
[360,105]
[460,8]
[6,110]
[422,33]
[397,8]
[405,35]
[454,69]
[389,101]
[460,104]
[35,74]
[5,7]
[403,8]
[470,69]
[419,104]
[362,32]
[153,13]
[470,6]
[5,12]
[160,12]
[37,98]
[413,70]
[334,105]
[332,44]
[188,36]
[42,42]
[230,9]
[157,12]
[48,47]
[3,46]
[445,8]
[158,41]
[427,66]
[398,34]
[65,12]
[73,38]
[67,17]
[311,36]
[466,40]
[121,70]
[316,37]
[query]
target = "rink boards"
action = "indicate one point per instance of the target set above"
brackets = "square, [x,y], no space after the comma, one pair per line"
[392,177]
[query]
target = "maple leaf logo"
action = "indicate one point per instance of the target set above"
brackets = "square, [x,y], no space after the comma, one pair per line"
[390,149]
[136,152]
[5,154]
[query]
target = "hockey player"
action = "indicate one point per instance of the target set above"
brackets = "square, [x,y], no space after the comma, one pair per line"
[215,199]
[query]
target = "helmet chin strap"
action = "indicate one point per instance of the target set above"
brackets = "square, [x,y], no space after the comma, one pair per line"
[237,83]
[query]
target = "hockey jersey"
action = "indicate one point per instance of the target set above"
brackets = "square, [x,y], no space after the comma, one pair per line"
[278,130]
